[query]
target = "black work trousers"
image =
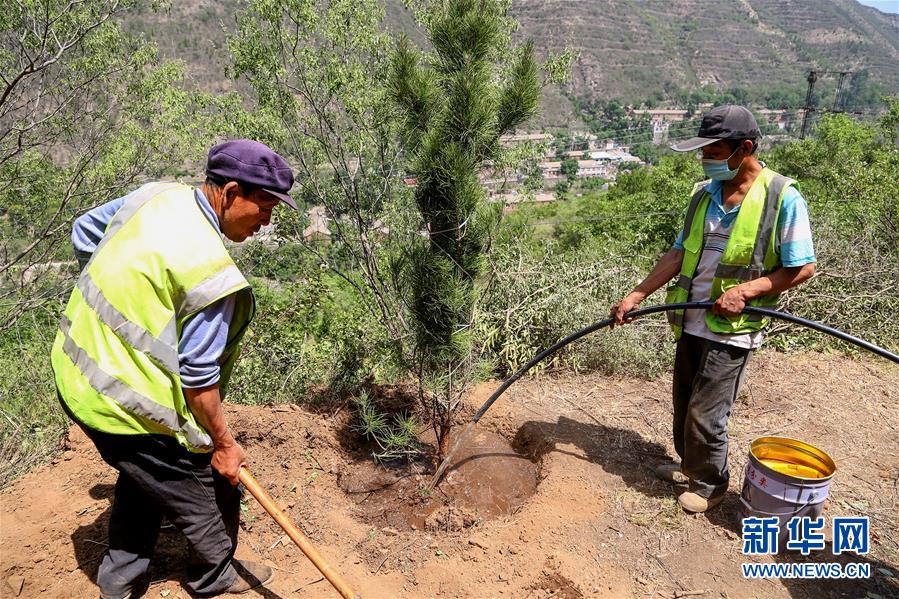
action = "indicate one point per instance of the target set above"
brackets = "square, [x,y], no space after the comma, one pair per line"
[707,379]
[158,477]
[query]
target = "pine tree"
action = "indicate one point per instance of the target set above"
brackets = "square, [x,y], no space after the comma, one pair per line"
[455,103]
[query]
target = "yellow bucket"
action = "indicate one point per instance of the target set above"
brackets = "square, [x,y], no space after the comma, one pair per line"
[785,478]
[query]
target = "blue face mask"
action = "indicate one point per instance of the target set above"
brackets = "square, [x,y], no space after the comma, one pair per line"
[717,170]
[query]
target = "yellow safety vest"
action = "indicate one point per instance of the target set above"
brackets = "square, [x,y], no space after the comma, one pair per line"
[749,253]
[115,357]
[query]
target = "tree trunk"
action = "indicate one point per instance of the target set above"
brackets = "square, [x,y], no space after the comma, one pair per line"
[443,439]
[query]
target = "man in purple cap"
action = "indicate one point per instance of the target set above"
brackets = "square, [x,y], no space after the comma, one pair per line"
[144,354]
[745,240]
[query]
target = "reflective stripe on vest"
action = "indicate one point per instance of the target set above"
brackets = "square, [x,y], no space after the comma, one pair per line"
[736,265]
[763,238]
[163,349]
[115,358]
[679,291]
[127,397]
[210,290]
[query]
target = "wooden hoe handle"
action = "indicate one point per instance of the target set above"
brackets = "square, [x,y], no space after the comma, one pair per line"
[294,533]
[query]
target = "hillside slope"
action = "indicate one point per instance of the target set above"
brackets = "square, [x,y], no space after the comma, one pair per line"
[629,49]
[600,524]
[634,48]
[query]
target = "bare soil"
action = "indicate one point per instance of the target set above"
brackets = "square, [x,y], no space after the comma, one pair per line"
[486,478]
[592,522]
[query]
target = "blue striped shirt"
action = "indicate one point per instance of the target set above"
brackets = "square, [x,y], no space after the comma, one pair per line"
[793,243]
[793,246]
[204,334]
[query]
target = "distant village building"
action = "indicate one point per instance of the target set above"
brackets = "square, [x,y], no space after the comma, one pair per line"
[660,132]
[508,140]
[512,199]
[380,230]
[552,169]
[611,144]
[617,155]
[781,117]
[667,115]
[265,233]
[318,231]
[612,159]
[587,169]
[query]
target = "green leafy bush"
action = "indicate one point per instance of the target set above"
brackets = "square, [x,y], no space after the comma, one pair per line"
[847,173]
[31,420]
[311,339]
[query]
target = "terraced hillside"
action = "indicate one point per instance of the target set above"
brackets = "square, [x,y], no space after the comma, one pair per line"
[629,49]
[636,47]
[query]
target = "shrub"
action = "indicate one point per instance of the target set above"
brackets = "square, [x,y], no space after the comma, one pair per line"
[395,438]
[31,420]
[310,335]
[536,298]
[847,174]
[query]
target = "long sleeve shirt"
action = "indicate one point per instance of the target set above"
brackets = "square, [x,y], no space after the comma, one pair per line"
[204,334]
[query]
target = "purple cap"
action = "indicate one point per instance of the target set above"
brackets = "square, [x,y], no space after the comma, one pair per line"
[253,163]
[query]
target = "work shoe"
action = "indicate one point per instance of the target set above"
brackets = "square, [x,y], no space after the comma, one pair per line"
[249,576]
[671,472]
[691,502]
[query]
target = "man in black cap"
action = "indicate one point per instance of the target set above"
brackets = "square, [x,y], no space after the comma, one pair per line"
[745,240]
[144,354]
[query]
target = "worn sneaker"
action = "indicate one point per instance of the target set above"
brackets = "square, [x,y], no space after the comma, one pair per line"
[250,575]
[691,502]
[671,472]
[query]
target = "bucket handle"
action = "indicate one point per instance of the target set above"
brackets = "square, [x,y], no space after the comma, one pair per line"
[749,508]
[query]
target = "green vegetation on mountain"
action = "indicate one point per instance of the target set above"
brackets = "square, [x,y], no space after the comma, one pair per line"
[681,52]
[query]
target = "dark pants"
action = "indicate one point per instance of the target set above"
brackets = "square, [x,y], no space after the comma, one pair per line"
[158,477]
[707,378]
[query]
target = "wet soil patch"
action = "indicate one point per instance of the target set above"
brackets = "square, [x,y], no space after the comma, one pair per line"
[486,478]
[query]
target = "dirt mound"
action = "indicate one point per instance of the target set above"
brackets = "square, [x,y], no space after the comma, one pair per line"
[486,478]
[598,524]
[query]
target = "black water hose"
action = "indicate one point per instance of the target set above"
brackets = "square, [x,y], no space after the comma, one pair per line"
[687,306]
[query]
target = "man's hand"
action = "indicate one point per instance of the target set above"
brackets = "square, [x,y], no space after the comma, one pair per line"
[227,460]
[731,302]
[667,267]
[206,406]
[630,302]
[734,299]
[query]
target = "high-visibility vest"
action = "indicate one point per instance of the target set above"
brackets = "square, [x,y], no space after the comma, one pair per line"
[115,357]
[749,253]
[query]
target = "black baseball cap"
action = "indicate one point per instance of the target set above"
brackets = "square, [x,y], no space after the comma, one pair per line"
[722,122]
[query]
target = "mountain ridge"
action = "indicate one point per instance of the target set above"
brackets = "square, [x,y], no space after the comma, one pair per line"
[631,50]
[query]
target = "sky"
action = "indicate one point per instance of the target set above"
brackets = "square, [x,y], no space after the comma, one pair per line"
[883,5]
